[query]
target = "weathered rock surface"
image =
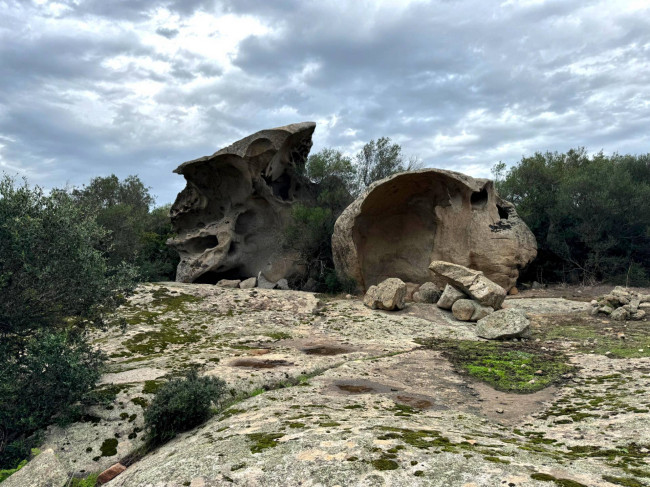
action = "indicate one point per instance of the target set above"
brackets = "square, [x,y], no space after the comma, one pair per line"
[388,295]
[45,470]
[427,293]
[371,407]
[231,215]
[402,223]
[234,283]
[249,283]
[481,312]
[471,282]
[503,324]
[469,310]
[283,284]
[449,296]
[264,283]
[464,309]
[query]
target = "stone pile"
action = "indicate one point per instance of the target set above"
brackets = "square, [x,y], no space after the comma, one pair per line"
[622,304]
[468,293]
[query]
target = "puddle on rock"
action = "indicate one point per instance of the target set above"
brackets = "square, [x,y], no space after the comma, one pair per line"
[260,364]
[324,350]
[414,402]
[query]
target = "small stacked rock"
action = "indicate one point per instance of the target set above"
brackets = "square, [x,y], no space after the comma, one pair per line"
[622,304]
[468,293]
[427,293]
[249,283]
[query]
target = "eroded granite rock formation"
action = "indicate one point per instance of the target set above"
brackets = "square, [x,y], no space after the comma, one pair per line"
[402,223]
[231,215]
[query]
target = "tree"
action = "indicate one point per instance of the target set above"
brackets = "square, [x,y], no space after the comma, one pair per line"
[589,214]
[136,233]
[50,267]
[378,160]
[54,283]
[335,176]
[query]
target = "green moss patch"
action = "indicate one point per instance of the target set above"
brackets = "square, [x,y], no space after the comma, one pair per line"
[263,441]
[151,386]
[506,366]
[625,481]
[630,339]
[385,464]
[156,341]
[109,447]
[561,482]
[279,335]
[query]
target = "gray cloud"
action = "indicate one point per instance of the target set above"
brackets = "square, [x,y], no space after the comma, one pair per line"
[166,32]
[140,86]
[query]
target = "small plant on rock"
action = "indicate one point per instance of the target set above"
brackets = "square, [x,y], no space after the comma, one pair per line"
[181,404]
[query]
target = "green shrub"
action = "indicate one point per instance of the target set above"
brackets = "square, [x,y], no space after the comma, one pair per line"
[44,384]
[181,404]
[4,474]
[590,214]
[54,282]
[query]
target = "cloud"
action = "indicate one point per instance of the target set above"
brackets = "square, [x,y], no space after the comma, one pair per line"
[166,32]
[91,88]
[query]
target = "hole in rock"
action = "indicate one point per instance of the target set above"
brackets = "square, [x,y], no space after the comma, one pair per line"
[260,364]
[503,212]
[200,244]
[281,186]
[324,351]
[414,402]
[213,277]
[479,199]
[352,389]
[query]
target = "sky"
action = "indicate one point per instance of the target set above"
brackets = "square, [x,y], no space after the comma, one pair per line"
[94,87]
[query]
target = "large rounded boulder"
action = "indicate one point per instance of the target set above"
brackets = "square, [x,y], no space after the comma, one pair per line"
[404,222]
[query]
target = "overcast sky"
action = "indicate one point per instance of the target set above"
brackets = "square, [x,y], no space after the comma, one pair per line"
[94,87]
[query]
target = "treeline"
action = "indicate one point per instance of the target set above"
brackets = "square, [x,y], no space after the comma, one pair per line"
[68,258]
[590,215]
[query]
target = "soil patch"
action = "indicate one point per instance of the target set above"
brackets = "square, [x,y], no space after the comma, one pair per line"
[325,350]
[260,364]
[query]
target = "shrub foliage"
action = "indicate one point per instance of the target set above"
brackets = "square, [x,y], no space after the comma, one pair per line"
[181,404]
[54,281]
[590,214]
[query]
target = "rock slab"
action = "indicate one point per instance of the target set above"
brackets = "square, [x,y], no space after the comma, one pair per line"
[44,470]
[449,296]
[503,324]
[389,295]
[471,282]
[249,283]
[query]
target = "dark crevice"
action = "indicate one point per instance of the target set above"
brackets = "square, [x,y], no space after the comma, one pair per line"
[479,199]
[504,213]
[213,277]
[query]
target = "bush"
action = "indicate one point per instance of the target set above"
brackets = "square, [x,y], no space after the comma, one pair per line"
[181,404]
[54,282]
[45,383]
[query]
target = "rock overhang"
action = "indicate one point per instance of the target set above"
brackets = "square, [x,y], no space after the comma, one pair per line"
[404,222]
